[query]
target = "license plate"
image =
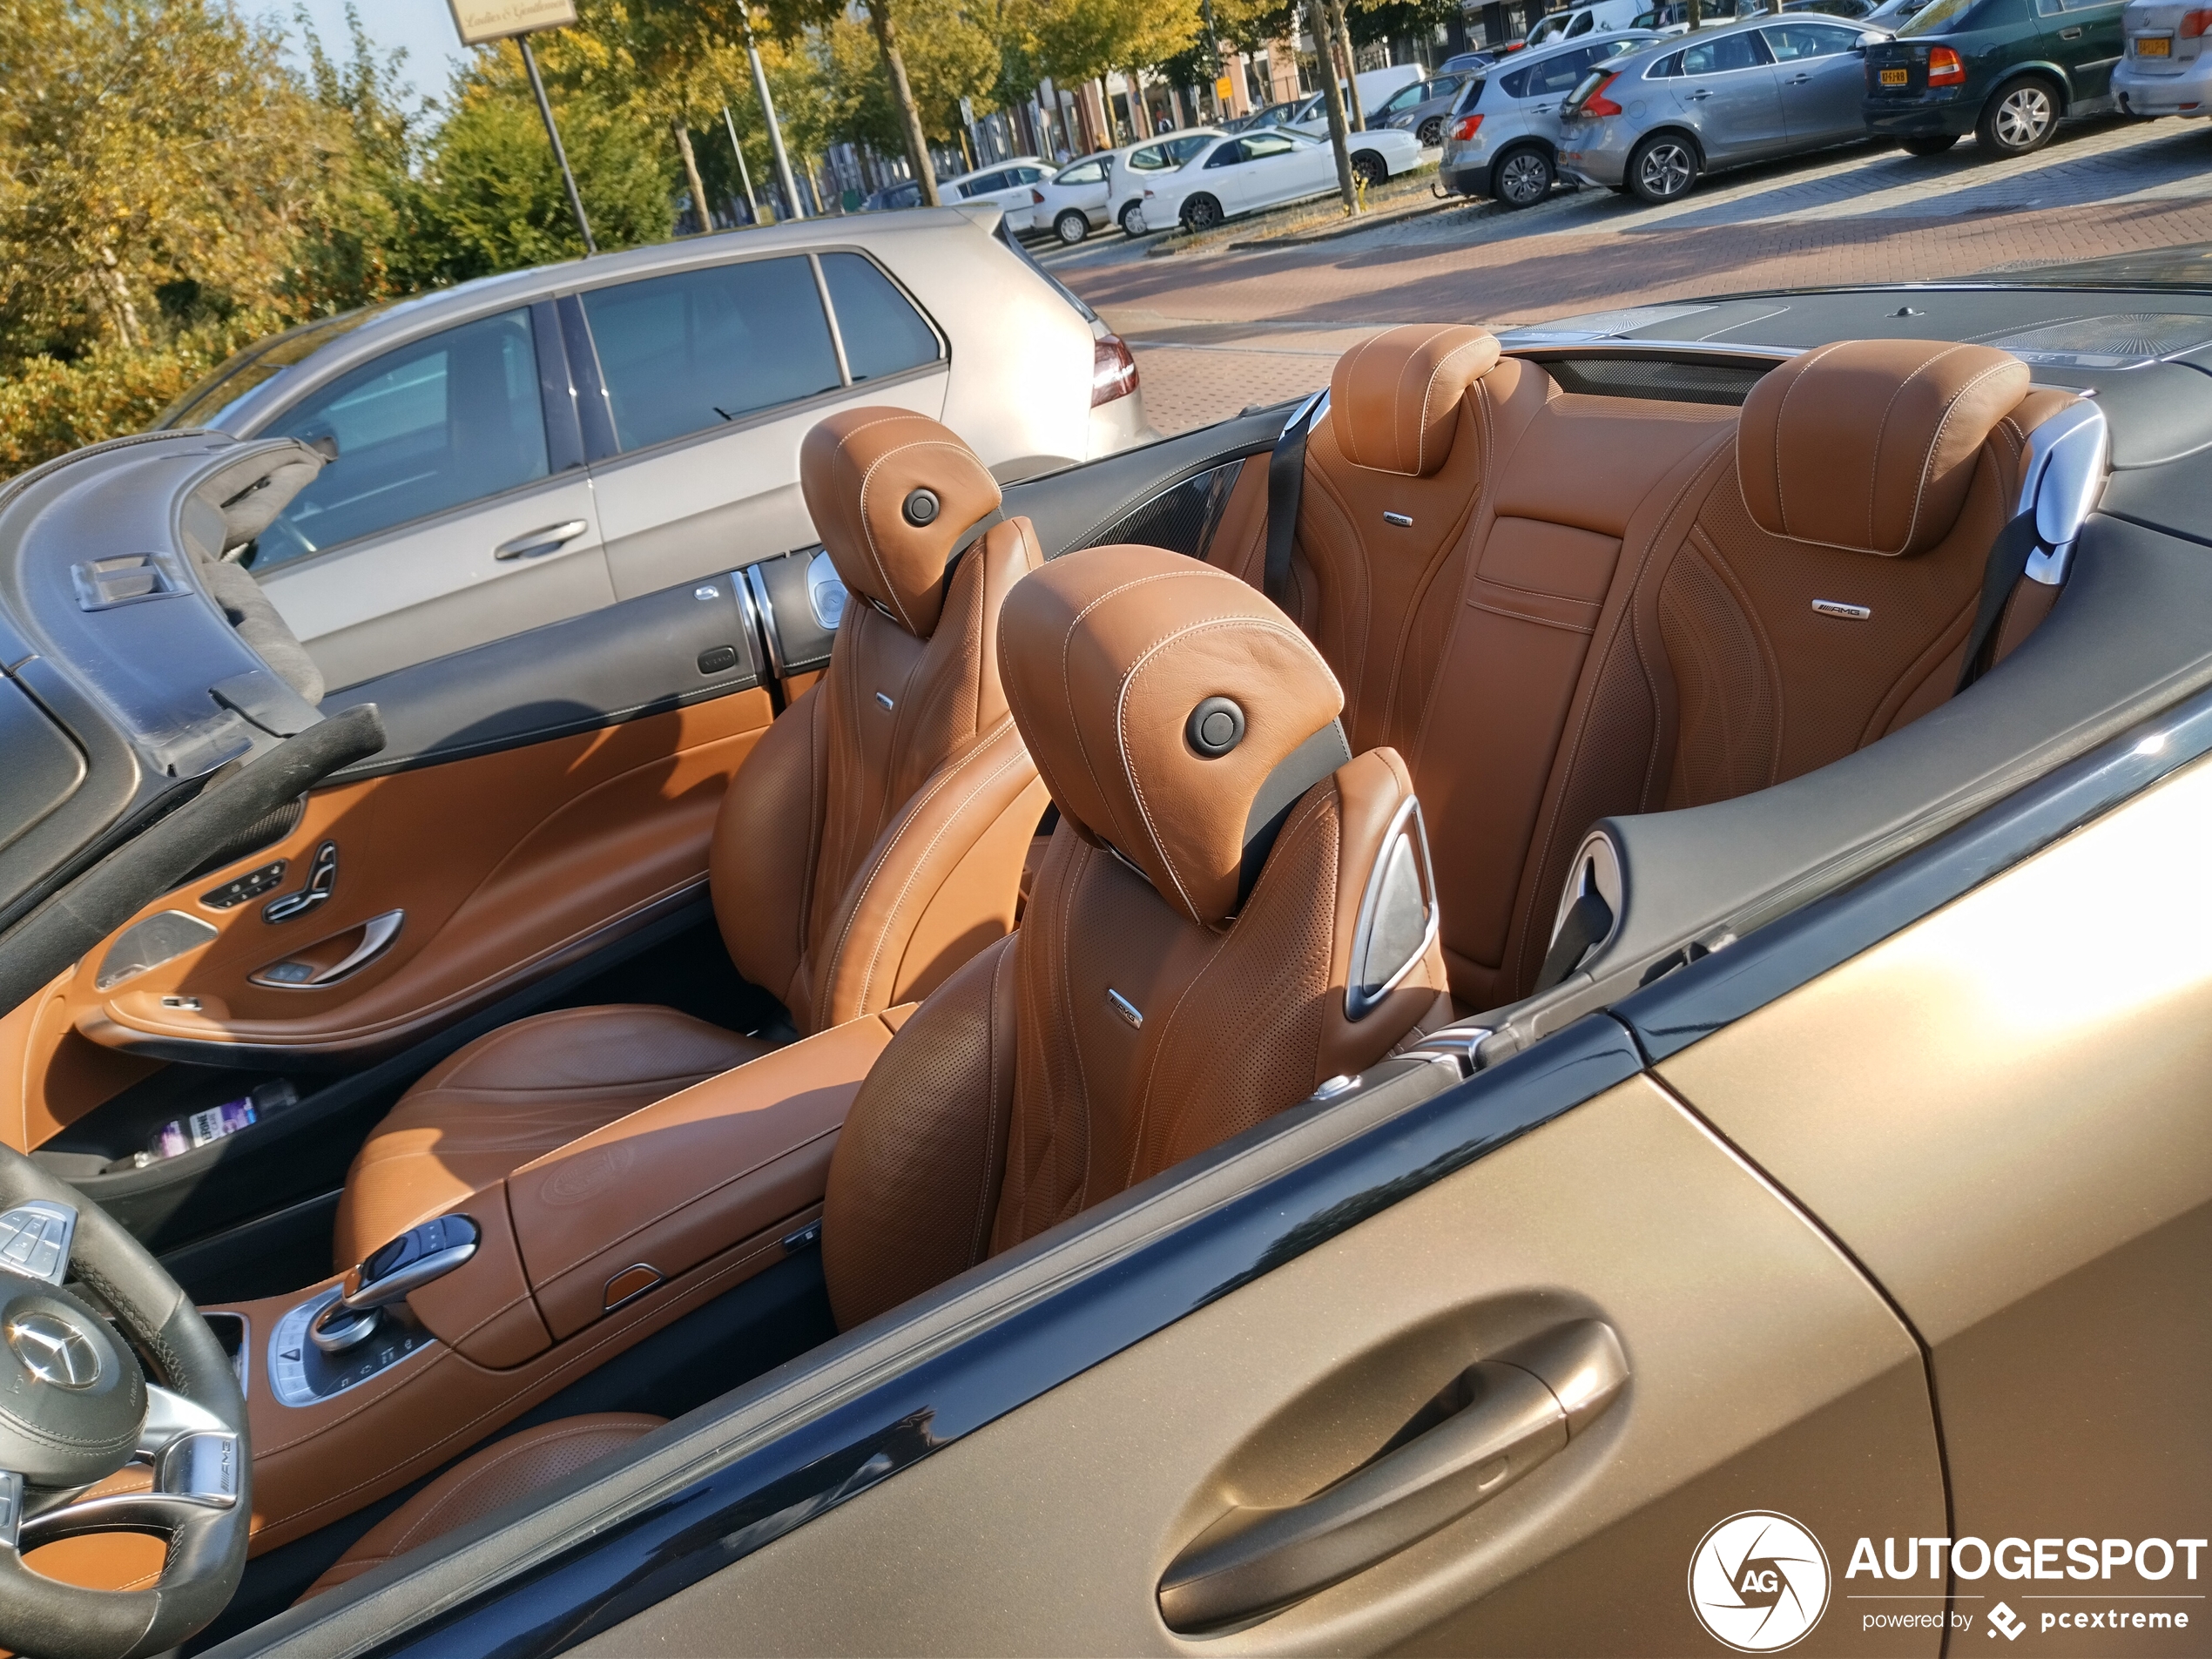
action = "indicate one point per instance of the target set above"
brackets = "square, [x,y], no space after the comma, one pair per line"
[2154,46]
[1893,77]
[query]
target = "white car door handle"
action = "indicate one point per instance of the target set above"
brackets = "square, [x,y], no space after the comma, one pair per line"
[541,541]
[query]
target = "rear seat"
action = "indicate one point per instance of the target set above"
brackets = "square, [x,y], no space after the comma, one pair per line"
[1634,624]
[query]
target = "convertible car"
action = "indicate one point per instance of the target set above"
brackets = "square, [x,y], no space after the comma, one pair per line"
[1557,1002]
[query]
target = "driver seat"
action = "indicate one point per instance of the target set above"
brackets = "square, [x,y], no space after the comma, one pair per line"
[871,843]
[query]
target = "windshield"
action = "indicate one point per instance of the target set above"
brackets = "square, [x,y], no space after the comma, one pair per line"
[1551,29]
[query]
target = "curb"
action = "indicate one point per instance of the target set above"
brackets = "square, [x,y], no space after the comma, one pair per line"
[1366,223]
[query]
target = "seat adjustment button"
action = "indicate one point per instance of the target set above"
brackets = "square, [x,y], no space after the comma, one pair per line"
[717,659]
[1216,726]
[922,507]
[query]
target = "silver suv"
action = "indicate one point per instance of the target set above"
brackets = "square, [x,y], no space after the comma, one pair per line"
[1502,139]
[527,447]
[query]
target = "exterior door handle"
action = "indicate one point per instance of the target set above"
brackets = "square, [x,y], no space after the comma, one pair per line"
[1490,1425]
[541,541]
[2069,34]
[1700,94]
[1799,80]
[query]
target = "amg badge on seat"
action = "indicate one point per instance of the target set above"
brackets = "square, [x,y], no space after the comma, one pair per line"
[1126,1008]
[1404,521]
[1838,608]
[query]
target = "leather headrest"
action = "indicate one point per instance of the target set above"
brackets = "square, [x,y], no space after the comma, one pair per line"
[1868,445]
[893,495]
[1394,400]
[1157,696]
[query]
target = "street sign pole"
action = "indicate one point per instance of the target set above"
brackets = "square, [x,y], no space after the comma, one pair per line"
[745,173]
[482,21]
[768,118]
[560,155]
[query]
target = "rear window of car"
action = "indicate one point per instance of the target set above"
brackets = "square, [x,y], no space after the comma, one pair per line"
[1959,17]
[1181,149]
[1729,52]
[687,352]
[882,331]
[1470,95]
[1084,172]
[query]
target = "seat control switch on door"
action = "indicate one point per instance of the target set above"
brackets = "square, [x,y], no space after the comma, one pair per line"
[423,1253]
[1488,1426]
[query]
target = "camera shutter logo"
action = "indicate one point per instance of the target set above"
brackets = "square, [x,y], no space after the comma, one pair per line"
[1758,1581]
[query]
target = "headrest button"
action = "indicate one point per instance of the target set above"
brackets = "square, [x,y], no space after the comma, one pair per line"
[1216,726]
[922,507]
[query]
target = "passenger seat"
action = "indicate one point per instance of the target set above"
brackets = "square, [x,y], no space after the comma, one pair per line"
[1232,910]
[871,843]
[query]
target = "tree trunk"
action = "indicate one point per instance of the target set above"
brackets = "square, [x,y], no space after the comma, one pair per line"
[1332,100]
[1354,114]
[691,172]
[902,94]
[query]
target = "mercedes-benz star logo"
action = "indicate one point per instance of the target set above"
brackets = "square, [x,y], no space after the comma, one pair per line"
[54,1350]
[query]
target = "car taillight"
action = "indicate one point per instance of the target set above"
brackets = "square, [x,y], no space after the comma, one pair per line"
[1944,67]
[1597,102]
[1467,126]
[2194,23]
[1113,371]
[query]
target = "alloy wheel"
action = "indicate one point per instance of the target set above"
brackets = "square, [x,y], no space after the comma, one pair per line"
[1201,213]
[1664,171]
[1071,227]
[1525,179]
[1370,167]
[1133,220]
[1431,132]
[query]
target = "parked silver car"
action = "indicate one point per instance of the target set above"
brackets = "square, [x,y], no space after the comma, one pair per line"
[1654,122]
[527,447]
[1502,139]
[1422,108]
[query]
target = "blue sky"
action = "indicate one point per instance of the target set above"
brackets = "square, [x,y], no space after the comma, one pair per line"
[424,27]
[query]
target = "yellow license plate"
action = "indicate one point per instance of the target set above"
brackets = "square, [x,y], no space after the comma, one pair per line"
[1893,77]
[2149,46]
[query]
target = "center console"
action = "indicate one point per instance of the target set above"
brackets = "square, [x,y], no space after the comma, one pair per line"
[359,1385]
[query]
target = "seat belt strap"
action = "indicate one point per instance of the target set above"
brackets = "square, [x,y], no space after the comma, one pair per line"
[2008,556]
[1285,485]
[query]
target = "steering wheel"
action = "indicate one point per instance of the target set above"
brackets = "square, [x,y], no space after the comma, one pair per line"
[75,1407]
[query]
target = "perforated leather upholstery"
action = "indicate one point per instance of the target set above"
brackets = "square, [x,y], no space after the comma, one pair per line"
[1141,1015]
[871,841]
[499,1474]
[1614,612]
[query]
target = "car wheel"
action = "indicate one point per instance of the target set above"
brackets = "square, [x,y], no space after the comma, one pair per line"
[2020,115]
[1201,213]
[1071,226]
[1932,144]
[1370,167]
[1663,167]
[1522,179]
[1431,132]
[1133,220]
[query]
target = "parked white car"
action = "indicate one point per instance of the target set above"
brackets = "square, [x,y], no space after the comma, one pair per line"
[526,447]
[1108,187]
[1600,18]
[1008,184]
[1264,169]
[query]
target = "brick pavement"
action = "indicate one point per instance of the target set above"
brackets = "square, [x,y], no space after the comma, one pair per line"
[1861,215]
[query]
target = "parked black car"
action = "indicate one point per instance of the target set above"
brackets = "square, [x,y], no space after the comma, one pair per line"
[2006,70]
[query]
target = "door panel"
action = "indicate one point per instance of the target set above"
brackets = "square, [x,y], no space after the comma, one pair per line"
[502,865]
[1823,81]
[1733,99]
[2002,1112]
[1764,1373]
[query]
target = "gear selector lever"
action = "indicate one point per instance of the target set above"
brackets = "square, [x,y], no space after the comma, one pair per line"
[420,1254]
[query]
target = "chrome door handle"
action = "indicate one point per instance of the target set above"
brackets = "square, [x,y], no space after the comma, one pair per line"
[1507,1414]
[2069,34]
[1700,96]
[541,541]
[322,882]
[291,975]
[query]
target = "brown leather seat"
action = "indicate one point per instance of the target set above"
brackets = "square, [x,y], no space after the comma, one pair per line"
[1612,619]
[1394,473]
[497,1475]
[871,843]
[1193,957]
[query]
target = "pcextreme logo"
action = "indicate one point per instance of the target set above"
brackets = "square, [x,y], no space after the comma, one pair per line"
[1758,1581]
